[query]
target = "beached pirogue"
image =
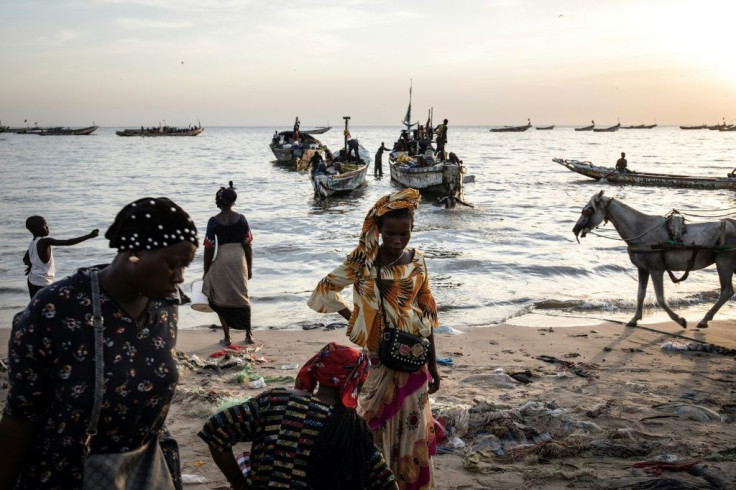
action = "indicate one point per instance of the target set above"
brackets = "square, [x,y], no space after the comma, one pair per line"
[162,131]
[613,176]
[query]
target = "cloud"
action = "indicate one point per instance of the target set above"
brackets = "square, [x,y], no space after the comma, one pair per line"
[134,23]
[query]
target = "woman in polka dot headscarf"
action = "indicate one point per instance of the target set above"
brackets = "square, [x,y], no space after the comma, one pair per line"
[52,354]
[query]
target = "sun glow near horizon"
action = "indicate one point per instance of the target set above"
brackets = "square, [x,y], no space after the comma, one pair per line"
[495,62]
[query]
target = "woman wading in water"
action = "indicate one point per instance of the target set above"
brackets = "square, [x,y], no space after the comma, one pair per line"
[228,265]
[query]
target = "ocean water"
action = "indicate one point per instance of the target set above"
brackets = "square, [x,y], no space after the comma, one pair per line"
[511,256]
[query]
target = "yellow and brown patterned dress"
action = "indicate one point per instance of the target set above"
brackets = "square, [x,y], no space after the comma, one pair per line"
[395,404]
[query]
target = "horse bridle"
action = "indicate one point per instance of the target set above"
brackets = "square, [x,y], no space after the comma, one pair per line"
[588,211]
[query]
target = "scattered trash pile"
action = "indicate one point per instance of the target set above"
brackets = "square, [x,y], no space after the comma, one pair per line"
[698,347]
[494,438]
[235,364]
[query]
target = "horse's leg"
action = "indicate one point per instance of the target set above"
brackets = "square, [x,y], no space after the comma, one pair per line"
[643,280]
[657,282]
[725,276]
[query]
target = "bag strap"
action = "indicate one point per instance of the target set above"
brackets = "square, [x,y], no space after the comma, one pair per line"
[386,324]
[99,361]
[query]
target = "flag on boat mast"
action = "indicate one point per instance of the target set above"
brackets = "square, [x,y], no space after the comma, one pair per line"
[407,118]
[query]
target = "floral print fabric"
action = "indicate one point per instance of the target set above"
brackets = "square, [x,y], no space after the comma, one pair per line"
[51,373]
[407,300]
[396,407]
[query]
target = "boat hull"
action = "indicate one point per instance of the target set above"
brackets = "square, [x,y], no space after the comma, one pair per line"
[68,131]
[640,126]
[318,130]
[510,129]
[441,179]
[138,132]
[646,179]
[586,128]
[329,185]
[607,130]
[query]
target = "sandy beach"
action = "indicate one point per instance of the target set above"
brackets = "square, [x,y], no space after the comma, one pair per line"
[601,406]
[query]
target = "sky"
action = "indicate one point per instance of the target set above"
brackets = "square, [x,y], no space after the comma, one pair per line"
[261,63]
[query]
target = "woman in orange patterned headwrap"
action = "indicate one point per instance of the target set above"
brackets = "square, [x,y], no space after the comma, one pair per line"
[395,404]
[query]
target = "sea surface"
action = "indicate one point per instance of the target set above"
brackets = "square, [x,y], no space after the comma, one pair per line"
[512,256]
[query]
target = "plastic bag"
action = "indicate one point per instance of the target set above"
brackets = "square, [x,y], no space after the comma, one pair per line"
[187,479]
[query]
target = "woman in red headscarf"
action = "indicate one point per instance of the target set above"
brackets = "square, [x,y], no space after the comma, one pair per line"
[302,438]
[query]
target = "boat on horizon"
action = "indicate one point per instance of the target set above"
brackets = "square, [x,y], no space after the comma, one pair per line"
[61,131]
[512,129]
[613,176]
[544,128]
[640,126]
[718,127]
[587,128]
[700,126]
[159,130]
[609,129]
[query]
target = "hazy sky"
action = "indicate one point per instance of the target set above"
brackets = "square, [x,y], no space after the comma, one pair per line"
[241,62]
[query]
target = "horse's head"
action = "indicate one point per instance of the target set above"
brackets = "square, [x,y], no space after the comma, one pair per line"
[592,215]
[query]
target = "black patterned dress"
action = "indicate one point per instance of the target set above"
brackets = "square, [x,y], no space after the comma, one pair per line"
[51,373]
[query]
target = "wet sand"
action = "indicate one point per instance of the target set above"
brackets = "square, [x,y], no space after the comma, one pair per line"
[604,398]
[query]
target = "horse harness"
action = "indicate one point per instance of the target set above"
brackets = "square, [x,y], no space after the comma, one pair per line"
[675,224]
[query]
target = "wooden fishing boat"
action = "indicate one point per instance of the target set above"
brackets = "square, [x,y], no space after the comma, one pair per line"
[351,175]
[67,131]
[441,178]
[640,126]
[613,176]
[351,178]
[587,128]
[701,126]
[288,151]
[728,128]
[718,127]
[610,129]
[544,128]
[161,131]
[420,170]
[321,130]
[512,129]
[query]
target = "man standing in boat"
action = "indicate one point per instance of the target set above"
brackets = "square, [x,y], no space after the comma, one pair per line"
[621,164]
[353,150]
[441,132]
[378,163]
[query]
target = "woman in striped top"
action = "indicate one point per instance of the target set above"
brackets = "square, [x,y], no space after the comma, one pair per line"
[301,438]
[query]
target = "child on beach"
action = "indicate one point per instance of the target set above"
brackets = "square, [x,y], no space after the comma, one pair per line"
[39,258]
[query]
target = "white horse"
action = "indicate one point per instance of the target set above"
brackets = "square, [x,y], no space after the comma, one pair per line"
[653,250]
